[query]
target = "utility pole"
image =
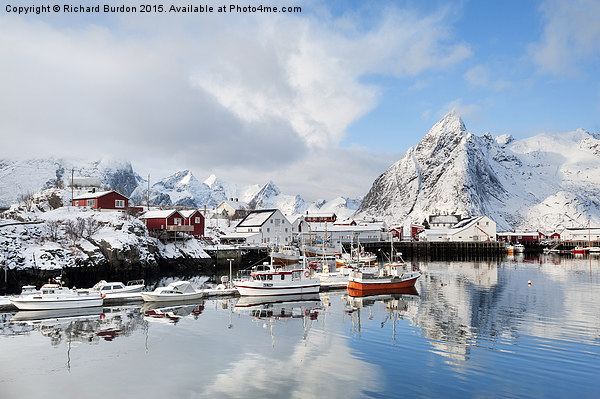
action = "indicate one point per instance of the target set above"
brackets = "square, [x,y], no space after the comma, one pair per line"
[148,194]
[72,172]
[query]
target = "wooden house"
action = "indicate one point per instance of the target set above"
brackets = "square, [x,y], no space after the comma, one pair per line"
[102,200]
[193,217]
[167,220]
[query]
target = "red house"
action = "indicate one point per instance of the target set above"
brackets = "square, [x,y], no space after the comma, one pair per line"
[169,220]
[193,217]
[102,200]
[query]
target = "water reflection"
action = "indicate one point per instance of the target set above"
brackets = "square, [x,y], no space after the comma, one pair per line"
[171,313]
[469,329]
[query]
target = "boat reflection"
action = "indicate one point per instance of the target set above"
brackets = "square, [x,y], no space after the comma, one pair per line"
[400,291]
[395,307]
[281,306]
[172,314]
[86,325]
[64,315]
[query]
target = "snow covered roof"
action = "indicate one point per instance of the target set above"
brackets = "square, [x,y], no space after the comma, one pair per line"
[257,218]
[159,214]
[96,194]
[188,212]
[237,205]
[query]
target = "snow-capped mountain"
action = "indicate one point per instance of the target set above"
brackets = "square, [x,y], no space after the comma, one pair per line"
[544,182]
[24,177]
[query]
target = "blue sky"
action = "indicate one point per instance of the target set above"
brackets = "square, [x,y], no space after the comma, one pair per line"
[320,102]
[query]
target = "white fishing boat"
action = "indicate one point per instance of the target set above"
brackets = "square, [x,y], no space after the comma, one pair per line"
[271,281]
[519,247]
[55,296]
[176,291]
[111,288]
[285,255]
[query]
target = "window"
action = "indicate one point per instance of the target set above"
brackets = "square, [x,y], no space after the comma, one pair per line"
[119,203]
[268,229]
[76,203]
[177,221]
[91,202]
[197,220]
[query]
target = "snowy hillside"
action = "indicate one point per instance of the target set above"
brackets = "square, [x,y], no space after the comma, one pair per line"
[57,237]
[544,182]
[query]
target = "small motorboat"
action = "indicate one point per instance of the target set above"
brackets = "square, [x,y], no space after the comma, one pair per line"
[55,296]
[176,291]
[111,288]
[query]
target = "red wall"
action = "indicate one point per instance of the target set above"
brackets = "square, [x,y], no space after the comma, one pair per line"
[198,227]
[107,201]
[162,223]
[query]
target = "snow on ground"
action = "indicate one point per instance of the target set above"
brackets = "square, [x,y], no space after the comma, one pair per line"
[68,236]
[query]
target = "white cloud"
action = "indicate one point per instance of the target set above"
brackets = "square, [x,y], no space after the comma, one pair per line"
[250,92]
[571,36]
[461,109]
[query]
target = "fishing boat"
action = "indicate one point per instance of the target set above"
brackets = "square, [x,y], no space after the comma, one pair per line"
[111,288]
[580,250]
[519,247]
[285,255]
[510,249]
[55,296]
[176,291]
[394,275]
[284,281]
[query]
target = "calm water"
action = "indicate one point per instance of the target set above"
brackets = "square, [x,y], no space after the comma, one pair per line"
[475,329]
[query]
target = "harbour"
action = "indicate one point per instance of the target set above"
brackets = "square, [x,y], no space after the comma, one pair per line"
[470,329]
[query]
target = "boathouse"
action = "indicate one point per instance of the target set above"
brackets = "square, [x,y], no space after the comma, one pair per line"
[194,218]
[102,200]
[521,236]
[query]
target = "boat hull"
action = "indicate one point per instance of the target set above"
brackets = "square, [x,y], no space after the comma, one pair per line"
[249,288]
[380,286]
[154,297]
[53,304]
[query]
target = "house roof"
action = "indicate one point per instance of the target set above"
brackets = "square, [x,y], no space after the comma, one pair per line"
[159,214]
[237,205]
[187,213]
[320,215]
[256,218]
[96,194]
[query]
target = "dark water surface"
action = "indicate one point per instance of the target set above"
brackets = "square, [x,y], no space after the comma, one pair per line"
[475,329]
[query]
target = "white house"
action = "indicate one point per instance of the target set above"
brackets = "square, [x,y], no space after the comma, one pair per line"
[363,232]
[477,228]
[232,208]
[267,226]
[581,234]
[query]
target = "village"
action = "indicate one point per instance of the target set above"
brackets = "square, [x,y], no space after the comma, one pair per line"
[271,228]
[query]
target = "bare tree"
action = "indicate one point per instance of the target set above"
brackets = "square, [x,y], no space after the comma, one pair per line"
[53,229]
[92,226]
[27,200]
